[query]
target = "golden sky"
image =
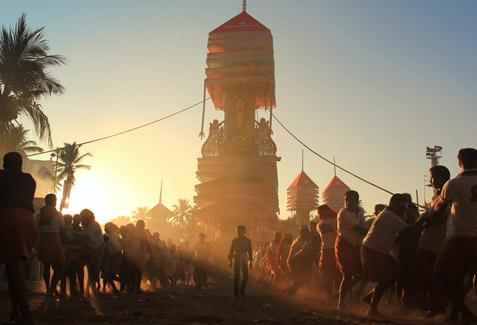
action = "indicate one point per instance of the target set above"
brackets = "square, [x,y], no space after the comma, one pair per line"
[370,83]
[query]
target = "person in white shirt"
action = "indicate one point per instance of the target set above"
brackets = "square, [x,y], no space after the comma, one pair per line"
[459,253]
[420,289]
[377,210]
[115,257]
[348,242]
[378,264]
[328,232]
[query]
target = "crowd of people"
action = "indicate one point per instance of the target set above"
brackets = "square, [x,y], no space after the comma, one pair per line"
[427,260]
[124,256]
[420,259]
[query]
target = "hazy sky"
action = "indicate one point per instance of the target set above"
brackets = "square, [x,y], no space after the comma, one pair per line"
[371,83]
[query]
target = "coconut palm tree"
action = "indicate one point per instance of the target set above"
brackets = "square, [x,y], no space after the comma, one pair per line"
[140,213]
[24,76]
[14,138]
[69,161]
[182,213]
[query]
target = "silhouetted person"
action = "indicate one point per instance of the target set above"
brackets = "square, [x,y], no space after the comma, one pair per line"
[74,260]
[301,262]
[420,289]
[378,264]
[282,256]
[272,265]
[351,231]
[18,230]
[408,241]
[51,224]
[201,270]
[138,247]
[93,246]
[328,231]
[459,253]
[377,210]
[241,252]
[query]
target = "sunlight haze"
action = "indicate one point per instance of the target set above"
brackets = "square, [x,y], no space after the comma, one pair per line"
[371,83]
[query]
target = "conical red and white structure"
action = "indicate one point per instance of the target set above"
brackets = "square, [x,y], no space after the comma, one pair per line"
[302,197]
[333,195]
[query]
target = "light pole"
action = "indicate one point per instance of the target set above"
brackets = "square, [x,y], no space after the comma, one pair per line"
[56,167]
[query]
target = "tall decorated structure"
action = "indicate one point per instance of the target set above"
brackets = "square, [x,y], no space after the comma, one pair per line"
[333,195]
[302,198]
[238,167]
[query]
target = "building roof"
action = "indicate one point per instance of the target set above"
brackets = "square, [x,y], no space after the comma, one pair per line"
[336,183]
[302,180]
[159,211]
[243,22]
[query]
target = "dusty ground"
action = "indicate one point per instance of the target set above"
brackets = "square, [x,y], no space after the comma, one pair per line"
[185,305]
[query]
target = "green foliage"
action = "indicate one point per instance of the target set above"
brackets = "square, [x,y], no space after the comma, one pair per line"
[14,138]
[24,76]
[184,220]
[69,161]
[140,213]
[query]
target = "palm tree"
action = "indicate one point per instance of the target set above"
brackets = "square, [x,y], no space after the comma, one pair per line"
[14,138]
[24,79]
[69,161]
[182,213]
[140,213]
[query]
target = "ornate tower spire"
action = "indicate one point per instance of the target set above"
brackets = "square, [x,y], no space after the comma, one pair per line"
[244,5]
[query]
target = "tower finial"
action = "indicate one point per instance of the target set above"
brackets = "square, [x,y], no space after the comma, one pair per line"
[160,195]
[334,164]
[244,5]
[302,160]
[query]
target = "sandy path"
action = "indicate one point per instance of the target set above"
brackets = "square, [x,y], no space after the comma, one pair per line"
[185,305]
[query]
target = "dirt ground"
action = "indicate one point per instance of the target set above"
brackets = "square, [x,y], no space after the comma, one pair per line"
[186,305]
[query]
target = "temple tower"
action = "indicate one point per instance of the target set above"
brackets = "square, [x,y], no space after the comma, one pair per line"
[238,167]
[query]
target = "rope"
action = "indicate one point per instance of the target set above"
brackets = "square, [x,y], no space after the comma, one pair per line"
[328,161]
[126,131]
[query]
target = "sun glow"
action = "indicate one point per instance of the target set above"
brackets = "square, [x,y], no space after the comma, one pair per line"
[88,194]
[88,197]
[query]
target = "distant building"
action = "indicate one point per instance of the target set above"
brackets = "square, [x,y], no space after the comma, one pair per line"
[157,218]
[333,195]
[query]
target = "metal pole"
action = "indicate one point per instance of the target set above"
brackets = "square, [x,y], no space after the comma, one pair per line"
[56,169]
